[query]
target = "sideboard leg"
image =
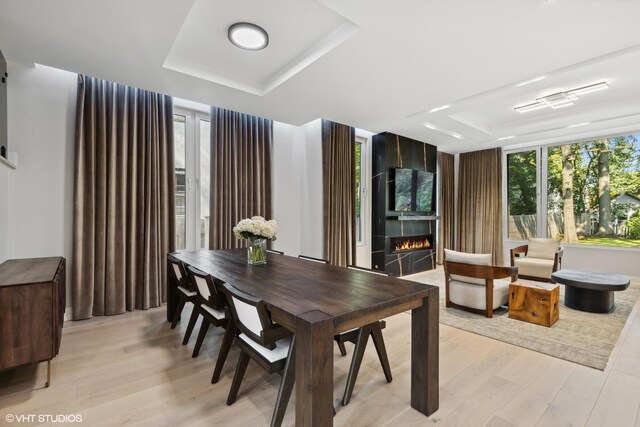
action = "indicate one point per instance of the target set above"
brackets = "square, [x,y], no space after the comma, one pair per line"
[48,383]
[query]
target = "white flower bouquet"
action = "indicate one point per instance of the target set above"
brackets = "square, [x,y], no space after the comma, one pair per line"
[257,230]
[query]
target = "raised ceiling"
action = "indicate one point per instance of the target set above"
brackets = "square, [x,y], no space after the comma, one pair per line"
[376,65]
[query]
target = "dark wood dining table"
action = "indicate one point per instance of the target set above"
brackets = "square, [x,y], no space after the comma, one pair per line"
[316,301]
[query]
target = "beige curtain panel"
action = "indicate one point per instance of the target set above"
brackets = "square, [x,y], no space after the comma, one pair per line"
[480,203]
[123,207]
[339,179]
[446,224]
[241,151]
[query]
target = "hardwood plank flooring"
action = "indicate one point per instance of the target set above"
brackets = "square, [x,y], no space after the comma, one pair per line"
[133,370]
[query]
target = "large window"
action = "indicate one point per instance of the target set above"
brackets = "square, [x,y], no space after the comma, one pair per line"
[358,163]
[522,194]
[360,190]
[179,138]
[192,168]
[591,196]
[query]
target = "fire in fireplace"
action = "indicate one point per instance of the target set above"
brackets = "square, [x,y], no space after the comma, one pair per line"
[409,243]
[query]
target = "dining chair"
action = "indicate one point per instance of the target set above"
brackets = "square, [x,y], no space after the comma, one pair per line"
[309,258]
[185,293]
[211,304]
[271,346]
[360,337]
[273,251]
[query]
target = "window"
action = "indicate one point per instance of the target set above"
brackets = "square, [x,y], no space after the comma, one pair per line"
[179,137]
[192,165]
[589,192]
[522,194]
[359,164]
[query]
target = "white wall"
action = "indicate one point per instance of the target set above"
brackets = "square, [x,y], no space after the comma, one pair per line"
[6,176]
[41,113]
[288,143]
[311,197]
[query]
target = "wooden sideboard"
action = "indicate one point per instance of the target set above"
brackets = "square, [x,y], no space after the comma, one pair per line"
[32,304]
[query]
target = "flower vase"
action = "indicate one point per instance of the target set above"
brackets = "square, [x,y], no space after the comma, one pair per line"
[257,251]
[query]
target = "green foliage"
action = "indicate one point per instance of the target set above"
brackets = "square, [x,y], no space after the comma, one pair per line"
[521,183]
[624,171]
[634,227]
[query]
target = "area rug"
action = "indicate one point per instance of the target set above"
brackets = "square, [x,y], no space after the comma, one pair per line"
[580,337]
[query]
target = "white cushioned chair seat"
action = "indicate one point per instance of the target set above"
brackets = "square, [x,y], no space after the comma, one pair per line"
[474,296]
[278,353]
[542,248]
[186,291]
[534,267]
[218,314]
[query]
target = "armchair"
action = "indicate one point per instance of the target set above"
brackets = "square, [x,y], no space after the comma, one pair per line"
[538,259]
[472,284]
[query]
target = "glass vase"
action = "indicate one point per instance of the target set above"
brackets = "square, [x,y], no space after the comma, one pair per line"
[257,251]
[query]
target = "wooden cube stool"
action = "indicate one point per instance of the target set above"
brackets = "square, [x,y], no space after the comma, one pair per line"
[534,302]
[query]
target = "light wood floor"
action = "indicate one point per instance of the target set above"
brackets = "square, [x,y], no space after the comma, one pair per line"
[132,370]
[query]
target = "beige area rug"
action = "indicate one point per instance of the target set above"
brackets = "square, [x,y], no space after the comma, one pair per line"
[580,337]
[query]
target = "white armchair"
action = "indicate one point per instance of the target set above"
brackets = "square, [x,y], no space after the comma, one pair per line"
[538,259]
[473,284]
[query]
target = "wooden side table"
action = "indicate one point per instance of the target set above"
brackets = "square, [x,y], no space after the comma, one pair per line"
[534,302]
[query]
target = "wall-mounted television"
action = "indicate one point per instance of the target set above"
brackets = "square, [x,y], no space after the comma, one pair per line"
[413,190]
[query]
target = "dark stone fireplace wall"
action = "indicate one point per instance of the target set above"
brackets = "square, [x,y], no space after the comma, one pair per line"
[392,151]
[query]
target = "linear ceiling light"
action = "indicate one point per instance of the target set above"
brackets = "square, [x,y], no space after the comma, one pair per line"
[506,137]
[579,124]
[248,36]
[561,99]
[442,130]
[442,107]
[533,80]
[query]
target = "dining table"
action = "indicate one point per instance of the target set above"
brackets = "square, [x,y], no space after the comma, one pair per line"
[316,301]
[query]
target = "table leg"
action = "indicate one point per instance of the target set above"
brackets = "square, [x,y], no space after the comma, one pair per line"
[172,299]
[425,354]
[48,383]
[588,300]
[314,369]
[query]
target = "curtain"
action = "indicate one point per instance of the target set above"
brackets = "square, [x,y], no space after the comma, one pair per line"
[480,203]
[446,224]
[241,151]
[123,203]
[338,166]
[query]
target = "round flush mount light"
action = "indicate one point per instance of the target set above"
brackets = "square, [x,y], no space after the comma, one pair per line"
[248,36]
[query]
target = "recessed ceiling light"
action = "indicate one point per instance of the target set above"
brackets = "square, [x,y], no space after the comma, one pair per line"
[248,36]
[579,124]
[506,137]
[443,107]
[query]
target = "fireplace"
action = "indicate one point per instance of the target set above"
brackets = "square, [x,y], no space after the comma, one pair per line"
[402,244]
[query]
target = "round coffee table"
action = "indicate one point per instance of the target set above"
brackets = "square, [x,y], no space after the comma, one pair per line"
[589,290]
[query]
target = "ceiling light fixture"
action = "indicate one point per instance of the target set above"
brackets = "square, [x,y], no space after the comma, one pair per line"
[561,99]
[506,137]
[248,36]
[443,107]
[579,124]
